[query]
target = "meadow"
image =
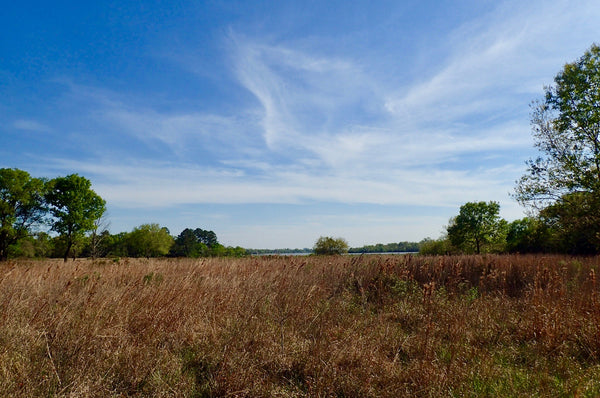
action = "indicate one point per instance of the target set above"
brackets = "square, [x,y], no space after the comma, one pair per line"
[341,326]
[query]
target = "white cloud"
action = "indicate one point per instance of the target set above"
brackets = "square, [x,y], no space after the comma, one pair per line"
[515,50]
[30,125]
[303,97]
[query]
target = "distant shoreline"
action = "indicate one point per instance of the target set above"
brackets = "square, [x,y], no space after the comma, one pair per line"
[347,254]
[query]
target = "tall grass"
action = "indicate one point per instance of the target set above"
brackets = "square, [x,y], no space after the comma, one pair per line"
[369,326]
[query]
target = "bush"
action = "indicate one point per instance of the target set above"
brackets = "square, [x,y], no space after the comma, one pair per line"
[440,246]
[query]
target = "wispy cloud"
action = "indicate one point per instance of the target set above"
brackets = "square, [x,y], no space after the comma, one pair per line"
[30,125]
[302,96]
[514,50]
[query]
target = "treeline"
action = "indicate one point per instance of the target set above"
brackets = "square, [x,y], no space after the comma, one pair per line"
[63,217]
[400,247]
[278,251]
[568,227]
[147,240]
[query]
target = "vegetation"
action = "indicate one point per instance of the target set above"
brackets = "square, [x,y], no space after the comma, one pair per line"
[194,243]
[305,250]
[566,128]
[327,245]
[21,206]
[400,247]
[149,240]
[562,185]
[74,206]
[441,246]
[477,227]
[564,182]
[371,326]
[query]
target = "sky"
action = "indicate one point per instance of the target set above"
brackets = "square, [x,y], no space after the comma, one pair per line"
[272,123]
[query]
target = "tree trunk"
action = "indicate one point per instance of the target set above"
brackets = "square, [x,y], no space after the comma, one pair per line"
[69,244]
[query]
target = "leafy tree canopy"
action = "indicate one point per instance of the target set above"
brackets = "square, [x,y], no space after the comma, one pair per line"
[477,226]
[149,240]
[328,245]
[21,206]
[74,206]
[566,129]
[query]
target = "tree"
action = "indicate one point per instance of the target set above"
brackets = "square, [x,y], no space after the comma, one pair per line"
[209,238]
[187,244]
[196,243]
[99,234]
[21,206]
[574,223]
[563,183]
[477,226]
[529,235]
[566,130]
[433,247]
[149,240]
[74,206]
[328,245]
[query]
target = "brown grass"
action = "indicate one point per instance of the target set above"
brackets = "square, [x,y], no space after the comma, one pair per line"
[369,326]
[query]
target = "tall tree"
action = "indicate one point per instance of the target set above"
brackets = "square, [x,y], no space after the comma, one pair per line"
[477,225]
[187,244]
[566,130]
[563,183]
[209,238]
[21,206]
[74,206]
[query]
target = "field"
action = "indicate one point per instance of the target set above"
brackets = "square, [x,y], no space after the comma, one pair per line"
[348,326]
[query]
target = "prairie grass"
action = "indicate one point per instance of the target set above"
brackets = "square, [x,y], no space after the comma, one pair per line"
[347,326]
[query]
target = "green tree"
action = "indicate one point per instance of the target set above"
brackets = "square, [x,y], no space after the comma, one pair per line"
[566,130]
[478,227]
[434,247]
[328,245]
[116,245]
[209,238]
[21,206]
[196,243]
[149,240]
[574,223]
[187,244]
[74,206]
[528,235]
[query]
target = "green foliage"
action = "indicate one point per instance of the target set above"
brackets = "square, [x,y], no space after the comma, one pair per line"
[566,128]
[436,247]
[329,246]
[528,235]
[563,183]
[21,206]
[149,240]
[305,250]
[387,248]
[194,243]
[202,243]
[574,223]
[478,227]
[74,206]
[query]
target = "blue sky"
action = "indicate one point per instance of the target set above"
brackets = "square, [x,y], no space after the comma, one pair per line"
[273,123]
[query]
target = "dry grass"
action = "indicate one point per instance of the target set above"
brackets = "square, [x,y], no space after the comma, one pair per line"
[370,326]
